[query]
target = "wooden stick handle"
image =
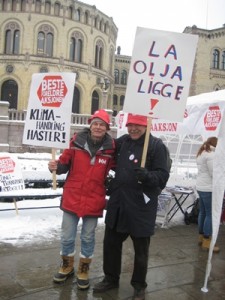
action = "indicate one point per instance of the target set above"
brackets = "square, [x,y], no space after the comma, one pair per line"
[54,172]
[147,137]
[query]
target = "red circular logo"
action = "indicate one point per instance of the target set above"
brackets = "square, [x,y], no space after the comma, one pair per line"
[52,91]
[212,118]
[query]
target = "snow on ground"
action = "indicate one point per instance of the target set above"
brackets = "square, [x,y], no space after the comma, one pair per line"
[37,224]
[31,225]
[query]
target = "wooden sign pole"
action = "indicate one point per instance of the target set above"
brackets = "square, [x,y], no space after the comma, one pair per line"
[147,137]
[54,172]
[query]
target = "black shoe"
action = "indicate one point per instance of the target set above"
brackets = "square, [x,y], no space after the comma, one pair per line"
[139,294]
[104,286]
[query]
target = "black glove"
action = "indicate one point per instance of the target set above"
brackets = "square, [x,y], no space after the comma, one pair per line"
[141,174]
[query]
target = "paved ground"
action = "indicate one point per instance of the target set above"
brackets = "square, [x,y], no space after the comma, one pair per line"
[176,269]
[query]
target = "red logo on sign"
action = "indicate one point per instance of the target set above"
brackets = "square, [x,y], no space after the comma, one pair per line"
[212,118]
[7,165]
[121,116]
[52,91]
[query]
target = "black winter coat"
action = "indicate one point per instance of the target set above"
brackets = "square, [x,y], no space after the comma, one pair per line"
[127,210]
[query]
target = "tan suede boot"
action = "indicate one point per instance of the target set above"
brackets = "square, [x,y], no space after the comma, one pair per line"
[83,273]
[66,269]
[200,239]
[206,245]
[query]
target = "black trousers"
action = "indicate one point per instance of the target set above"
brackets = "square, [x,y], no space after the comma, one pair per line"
[112,257]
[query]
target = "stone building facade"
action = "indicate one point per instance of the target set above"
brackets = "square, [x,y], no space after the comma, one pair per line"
[56,36]
[209,67]
[71,36]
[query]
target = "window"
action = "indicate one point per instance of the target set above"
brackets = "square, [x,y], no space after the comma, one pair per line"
[223,61]
[47,7]
[45,41]
[76,47]
[9,93]
[105,28]
[38,6]
[96,22]
[216,59]
[115,100]
[12,38]
[98,54]
[124,77]
[77,15]
[101,24]
[115,105]
[111,61]
[121,101]
[4,5]
[14,5]
[86,18]
[23,5]
[16,41]
[76,101]
[57,9]
[116,76]
[94,102]
[49,44]
[70,12]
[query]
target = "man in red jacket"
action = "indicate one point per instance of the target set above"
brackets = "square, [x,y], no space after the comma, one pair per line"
[87,162]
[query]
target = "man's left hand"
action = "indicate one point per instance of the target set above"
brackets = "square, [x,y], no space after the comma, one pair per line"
[141,173]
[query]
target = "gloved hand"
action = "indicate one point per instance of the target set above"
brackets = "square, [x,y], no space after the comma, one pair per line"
[141,173]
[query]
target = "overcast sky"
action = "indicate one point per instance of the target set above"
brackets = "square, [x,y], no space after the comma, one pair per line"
[173,15]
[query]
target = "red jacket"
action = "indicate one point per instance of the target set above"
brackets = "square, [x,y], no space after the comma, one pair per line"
[84,190]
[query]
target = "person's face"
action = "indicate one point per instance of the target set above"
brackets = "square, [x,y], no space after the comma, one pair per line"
[98,130]
[135,131]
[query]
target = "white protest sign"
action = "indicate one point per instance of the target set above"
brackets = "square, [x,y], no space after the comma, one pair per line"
[160,74]
[203,116]
[11,178]
[48,117]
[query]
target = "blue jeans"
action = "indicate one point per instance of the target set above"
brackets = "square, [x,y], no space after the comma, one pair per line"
[69,232]
[205,213]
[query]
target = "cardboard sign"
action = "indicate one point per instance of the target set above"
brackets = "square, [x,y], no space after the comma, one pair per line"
[11,178]
[48,117]
[160,74]
[202,116]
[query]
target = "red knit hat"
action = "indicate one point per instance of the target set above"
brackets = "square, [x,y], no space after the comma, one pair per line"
[102,115]
[136,119]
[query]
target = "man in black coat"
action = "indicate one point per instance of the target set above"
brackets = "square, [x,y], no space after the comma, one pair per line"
[132,207]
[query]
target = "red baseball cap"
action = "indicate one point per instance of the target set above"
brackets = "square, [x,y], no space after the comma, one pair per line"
[102,115]
[136,119]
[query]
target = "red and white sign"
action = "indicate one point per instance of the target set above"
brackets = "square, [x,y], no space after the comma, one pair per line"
[11,178]
[7,165]
[212,118]
[160,74]
[202,116]
[48,117]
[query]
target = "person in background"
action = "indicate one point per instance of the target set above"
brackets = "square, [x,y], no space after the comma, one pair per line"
[132,206]
[204,182]
[87,161]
